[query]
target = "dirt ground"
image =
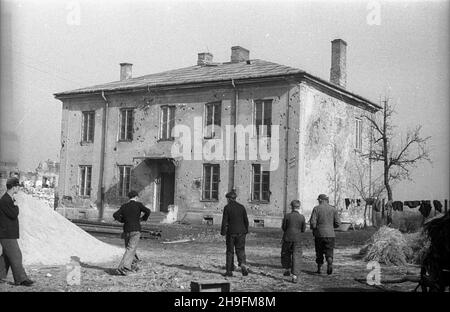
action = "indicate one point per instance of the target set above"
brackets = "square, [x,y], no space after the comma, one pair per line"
[172,266]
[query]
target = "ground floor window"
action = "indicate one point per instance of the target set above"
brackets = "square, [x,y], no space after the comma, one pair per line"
[85,180]
[260,184]
[124,180]
[211,175]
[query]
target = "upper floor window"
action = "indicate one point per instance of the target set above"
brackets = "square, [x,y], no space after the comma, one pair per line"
[124,180]
[211,177]
[88,125]
[213,115]
[85,180]
[260,184]
[358,134]
[167,122]
[263,117]
[126,124]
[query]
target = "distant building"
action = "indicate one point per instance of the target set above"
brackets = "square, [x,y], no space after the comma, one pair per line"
[8,169]
[118,136]
[47,174]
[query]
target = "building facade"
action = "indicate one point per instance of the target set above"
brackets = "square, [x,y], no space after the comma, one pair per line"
[186,137]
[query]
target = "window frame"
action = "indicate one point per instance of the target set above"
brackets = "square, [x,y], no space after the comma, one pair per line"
[268,132]
[209,167]
[170,123]
[124,192]
[358,134]
[83,172]
[85,137]
[127,124]
[216,106]
[261,184]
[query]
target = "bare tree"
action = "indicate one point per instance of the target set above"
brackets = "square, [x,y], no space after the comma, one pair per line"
[397,159]
[360,180]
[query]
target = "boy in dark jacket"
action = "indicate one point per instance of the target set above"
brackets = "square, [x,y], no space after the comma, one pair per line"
[130,215]
[291,250]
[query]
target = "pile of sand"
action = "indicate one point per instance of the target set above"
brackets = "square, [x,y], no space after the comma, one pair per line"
[47,238]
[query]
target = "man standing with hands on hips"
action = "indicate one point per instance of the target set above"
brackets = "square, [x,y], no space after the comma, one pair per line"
[9,234]
[234,228]
[131,214]
[324,219]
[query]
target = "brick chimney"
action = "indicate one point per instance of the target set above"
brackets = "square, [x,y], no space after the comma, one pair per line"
[204,58]
[338,71]
[239,54]
[125,71]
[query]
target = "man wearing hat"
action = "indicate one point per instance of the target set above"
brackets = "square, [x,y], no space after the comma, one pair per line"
[9,234]
[234,228]
[324,219]
[291,249]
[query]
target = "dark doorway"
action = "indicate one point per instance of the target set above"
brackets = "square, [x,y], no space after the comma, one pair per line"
[167,191]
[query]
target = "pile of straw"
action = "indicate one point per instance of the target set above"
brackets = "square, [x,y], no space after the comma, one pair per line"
[387,246]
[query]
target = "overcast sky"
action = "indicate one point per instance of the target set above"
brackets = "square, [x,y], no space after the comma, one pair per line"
[46,47]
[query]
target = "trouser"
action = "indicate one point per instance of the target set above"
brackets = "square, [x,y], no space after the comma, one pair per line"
[324,246]
[129,258]
[126,237]
[235,242]
[291,255]
[12,257]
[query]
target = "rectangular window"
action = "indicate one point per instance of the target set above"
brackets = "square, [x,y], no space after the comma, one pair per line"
[213,115]
[167,122]
[263,117]
[211,177]
[126,124]
[85,180]
[261,184]
[88,127]
[358,134]
[124,180]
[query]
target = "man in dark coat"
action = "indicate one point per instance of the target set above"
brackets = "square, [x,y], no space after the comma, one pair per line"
[324,219]
[9,234]
[130,215]
[234,228]
[291,249]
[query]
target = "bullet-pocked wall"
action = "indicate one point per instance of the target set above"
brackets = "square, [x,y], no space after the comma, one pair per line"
[279,95]
[315,128]
[76,153]
[328,147]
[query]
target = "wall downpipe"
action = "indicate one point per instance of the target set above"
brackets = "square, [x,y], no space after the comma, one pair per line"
[235,106]
[101,185]
[286,156]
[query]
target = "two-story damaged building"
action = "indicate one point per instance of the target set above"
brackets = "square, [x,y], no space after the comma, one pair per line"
[185,137]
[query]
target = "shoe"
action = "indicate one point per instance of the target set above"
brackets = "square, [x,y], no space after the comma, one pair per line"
[244,271]
[229,274]
[329,269]
[27,283]
[121,272]
[294,279]
[287,273]
[318,269]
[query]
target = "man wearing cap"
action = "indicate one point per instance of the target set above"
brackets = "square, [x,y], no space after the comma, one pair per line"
[324,219]
[130,215]
[9,234]
[234,228]
[291,249]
